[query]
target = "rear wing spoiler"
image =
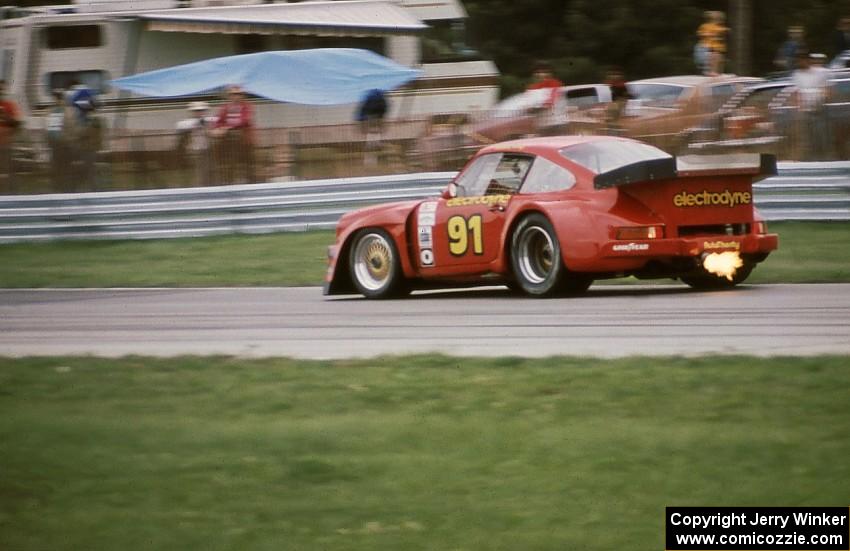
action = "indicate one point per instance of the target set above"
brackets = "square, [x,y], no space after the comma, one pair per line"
[759,165]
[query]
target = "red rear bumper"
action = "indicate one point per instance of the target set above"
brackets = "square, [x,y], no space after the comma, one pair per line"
[692,246]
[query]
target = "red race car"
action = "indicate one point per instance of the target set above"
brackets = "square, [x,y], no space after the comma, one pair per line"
[550,215]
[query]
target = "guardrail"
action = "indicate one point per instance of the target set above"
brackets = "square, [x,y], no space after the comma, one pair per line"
[806,191]
[801,191]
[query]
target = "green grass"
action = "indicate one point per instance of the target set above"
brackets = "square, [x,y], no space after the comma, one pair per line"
[406,453]
[808,252]
[284,259]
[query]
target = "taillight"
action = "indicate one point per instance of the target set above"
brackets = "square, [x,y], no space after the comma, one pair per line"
[640,232]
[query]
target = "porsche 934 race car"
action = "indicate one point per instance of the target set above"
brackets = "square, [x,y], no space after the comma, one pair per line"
[551,215]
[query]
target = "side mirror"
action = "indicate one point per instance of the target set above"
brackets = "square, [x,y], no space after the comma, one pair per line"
[450,192]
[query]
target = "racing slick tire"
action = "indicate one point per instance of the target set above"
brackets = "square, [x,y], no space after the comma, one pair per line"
[374,265]
[536,260]
[706,281]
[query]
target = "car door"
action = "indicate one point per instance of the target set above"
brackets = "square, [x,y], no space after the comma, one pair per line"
[464,232]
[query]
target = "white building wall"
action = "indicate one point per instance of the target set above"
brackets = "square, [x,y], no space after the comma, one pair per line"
[109,57]
[404,50]
[166,49]
[127,48]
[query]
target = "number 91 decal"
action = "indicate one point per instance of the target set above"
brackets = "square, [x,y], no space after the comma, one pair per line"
[463,230]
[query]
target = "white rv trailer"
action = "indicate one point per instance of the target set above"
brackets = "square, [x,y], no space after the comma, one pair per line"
[95,41]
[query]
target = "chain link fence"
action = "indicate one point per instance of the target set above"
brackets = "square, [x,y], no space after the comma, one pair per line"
[124,160]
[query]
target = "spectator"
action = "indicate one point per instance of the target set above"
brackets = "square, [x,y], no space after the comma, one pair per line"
[234,128]
[788,53]
[811,79]
[83,99]
[372,109]
[701,51]
[620,95]
[542,79]
[10,121]
[842,35]
[89,140]
[60,127]
[711,46]
[83,135]
[371,112]
[193,139]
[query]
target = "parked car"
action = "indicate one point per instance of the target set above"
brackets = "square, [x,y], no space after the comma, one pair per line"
[669,112]
[763,118]
[550,215]
[840,61]
[538,112]
[545,111]
[744,122]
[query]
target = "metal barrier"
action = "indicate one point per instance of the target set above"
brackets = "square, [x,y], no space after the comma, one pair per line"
[801,191]
[806,191]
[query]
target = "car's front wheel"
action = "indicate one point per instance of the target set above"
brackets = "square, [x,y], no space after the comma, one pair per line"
[374,265]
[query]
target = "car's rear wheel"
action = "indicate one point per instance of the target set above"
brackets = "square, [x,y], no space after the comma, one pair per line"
[374,265]
[536,260]
[706,281]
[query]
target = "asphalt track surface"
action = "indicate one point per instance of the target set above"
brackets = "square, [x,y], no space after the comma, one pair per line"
[610,321]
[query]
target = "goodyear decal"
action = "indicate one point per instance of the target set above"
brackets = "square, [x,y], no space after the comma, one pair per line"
[485,200]
[426,218]
[631,247]
[711,245]
[707,198]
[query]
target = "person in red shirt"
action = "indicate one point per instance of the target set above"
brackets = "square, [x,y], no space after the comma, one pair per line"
[10,120]
[234,127]
[543,78]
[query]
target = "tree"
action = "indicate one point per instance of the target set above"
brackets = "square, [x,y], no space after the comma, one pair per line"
[646,38]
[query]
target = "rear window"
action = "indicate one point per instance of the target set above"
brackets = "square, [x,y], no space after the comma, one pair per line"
[601,157]
[761,98]
[841,91]
[657,95]
[583,97]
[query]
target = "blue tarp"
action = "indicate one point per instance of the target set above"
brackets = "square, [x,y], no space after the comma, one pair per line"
[324,76]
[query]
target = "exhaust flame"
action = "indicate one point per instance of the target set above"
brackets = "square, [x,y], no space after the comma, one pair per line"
[723,264]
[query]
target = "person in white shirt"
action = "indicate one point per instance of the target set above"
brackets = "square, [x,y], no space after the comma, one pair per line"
[811,79]
[194,140]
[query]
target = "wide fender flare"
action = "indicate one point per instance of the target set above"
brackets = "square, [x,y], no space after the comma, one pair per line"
[394,221]
[580,231]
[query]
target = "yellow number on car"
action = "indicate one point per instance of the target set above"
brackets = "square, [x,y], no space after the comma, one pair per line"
[459,229]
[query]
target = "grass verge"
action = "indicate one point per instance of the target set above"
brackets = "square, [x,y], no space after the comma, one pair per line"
[406,453]
[808,253]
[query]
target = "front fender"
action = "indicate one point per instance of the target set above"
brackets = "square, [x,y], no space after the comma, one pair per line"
[392,218]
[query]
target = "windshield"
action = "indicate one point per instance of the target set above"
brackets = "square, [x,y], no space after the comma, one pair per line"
[518,104]
[601,157]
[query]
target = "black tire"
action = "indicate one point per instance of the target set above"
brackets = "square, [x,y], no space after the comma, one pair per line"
[575,284]
[706,281]
[536,260]
[374,265]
